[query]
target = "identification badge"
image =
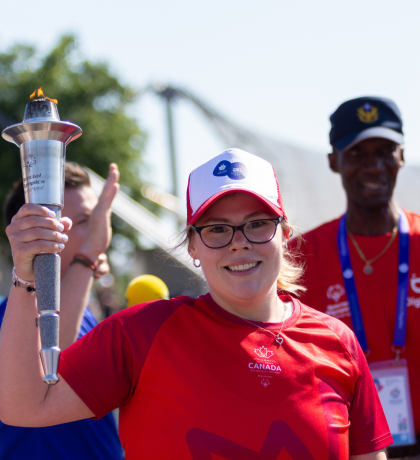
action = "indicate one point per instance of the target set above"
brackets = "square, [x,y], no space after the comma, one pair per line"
[393,388]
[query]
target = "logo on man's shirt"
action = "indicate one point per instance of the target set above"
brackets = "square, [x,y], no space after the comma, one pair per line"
[415,287]
[413,302]
[338,310]
[335,292]
[415,284]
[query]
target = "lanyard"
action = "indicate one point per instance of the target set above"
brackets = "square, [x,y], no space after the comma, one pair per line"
[402,292]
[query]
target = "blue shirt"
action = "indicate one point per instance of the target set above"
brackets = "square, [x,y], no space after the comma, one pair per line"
[84,439]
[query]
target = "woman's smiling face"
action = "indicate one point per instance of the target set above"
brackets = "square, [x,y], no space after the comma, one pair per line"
[230,284]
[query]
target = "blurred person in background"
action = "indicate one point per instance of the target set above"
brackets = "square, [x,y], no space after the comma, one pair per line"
[145,288]
[364,267]
[243,372]
[82,260]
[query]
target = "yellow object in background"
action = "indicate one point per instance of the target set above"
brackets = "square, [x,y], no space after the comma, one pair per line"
[145,288]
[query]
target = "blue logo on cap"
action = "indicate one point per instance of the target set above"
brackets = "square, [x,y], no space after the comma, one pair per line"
[235,171]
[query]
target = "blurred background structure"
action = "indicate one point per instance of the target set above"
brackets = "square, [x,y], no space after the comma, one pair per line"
[161,87]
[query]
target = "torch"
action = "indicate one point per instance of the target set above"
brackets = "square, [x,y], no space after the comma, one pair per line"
[42,140]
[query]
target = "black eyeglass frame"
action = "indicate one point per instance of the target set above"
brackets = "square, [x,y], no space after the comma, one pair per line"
[239,227]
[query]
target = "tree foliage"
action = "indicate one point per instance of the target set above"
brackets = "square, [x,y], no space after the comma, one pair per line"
[88,95]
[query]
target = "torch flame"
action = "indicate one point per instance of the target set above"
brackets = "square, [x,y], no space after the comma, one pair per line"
[38,93]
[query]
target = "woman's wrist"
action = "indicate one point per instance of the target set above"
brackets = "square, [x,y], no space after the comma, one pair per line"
[90,253]
[82,259]
[27,275]
[19,282]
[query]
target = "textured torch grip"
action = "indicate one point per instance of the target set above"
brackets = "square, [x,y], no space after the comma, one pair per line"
[47,282]
[49,329]
[47,268]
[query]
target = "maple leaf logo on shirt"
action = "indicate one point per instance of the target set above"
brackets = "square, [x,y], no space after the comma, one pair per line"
[263,352]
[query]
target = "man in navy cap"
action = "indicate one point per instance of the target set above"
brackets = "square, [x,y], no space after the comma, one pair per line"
[364,267]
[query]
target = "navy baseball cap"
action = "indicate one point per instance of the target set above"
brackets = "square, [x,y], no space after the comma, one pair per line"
[364,118]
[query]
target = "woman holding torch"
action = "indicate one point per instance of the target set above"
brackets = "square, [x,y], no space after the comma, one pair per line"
[243,372]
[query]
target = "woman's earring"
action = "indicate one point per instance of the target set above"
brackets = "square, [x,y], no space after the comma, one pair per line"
[196,265]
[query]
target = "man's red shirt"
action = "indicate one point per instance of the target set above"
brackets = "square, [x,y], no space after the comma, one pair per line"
[377,292]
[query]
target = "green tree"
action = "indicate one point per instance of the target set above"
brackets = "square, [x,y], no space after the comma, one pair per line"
[88,95]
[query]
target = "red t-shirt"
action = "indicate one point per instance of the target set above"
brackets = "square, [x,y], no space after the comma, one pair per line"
[195,382]
[377,292]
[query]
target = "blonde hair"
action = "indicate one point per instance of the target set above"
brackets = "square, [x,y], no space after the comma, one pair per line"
[291,270]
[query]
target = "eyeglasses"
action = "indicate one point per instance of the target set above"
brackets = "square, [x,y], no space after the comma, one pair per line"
[221,235]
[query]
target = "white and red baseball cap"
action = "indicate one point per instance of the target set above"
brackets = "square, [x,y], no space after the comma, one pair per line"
[234,170]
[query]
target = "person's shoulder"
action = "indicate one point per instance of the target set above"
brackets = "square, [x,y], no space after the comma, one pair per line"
[156,311]
[144,320]
[414,221]
[325,232]
[341,330]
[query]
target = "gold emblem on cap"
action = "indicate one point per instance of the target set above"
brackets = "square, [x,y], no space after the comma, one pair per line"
[368,113]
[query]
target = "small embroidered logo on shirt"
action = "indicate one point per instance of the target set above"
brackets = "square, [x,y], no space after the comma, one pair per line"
[335,292]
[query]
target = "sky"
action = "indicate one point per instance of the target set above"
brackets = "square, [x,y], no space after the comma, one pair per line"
[277,67]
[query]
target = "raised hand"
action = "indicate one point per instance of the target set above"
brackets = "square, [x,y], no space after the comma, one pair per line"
[99,232]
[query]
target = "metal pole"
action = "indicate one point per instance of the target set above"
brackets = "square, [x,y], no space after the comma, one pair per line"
[169,94]
[172,144]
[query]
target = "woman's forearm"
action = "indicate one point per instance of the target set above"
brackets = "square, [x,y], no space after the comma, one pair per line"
[75,291]
[21,376]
